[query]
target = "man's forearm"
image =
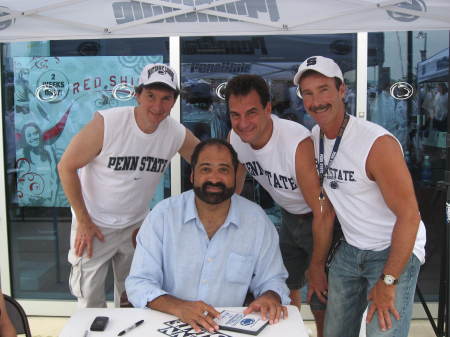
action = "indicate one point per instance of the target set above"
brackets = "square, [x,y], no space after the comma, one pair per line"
[72,188]
[240,178]
[322,237]
[402,244]
[166,303]
[271,294]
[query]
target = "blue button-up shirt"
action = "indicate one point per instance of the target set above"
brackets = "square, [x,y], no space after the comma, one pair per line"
[175,256]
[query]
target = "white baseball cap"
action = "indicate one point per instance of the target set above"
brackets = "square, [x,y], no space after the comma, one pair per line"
[322,65]
[159,73]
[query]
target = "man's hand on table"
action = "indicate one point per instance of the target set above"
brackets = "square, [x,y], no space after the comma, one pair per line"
[269,305]
[198,314]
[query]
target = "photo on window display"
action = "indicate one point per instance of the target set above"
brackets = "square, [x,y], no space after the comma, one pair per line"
[54,97]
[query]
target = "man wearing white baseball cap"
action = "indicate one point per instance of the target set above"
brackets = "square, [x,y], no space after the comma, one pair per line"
[363,173]
[320,64]
[110,171]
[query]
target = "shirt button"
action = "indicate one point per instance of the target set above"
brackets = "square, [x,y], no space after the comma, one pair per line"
[204,281]
[209,259]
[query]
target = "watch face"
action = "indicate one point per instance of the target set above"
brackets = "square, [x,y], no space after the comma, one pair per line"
[389,280]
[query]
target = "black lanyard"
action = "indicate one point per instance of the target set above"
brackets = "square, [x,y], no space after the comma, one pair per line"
[322,168]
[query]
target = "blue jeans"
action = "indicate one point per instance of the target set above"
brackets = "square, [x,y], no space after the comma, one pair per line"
[353,273]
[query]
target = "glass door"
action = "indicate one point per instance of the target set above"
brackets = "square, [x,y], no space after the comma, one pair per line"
[408,95]
[50,91]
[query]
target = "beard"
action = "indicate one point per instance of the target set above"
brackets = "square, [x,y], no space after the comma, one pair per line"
[213,198]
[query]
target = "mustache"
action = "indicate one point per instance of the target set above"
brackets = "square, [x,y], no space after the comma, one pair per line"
[319,107]
[208,183]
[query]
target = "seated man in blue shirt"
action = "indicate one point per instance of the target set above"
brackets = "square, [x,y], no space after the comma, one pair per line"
[207,247]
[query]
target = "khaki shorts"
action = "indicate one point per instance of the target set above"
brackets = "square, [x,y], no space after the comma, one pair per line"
[88,275]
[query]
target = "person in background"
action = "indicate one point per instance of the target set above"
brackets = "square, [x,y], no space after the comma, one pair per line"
[440,108]
[391,114]
[37,176]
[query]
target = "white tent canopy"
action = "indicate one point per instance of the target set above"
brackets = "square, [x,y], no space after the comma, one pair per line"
[27,20]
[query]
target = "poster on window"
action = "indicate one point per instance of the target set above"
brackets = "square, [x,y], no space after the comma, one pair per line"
[54,97]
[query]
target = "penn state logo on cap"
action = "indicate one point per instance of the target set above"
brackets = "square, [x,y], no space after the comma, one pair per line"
[159,73]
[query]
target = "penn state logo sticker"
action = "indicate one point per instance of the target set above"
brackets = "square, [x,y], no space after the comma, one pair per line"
[401,90]
[4,11]
[414,5]
[247,321]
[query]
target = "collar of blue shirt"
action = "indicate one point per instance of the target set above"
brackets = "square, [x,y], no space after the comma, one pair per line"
[190,211]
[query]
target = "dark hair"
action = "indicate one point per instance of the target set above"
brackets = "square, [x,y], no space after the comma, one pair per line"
[310,72]
[214,142]
[241,85]
[157,86]
[43,153]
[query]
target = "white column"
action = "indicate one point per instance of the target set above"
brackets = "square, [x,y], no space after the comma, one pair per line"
[4,244]
[175,164]
[361,75]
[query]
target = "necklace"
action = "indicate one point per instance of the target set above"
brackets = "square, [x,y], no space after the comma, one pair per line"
[323,169]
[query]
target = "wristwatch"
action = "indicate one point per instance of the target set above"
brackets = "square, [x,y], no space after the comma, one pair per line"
[389,280]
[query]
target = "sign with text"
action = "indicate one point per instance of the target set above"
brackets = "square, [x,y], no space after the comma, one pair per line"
[123,19]
[54,97]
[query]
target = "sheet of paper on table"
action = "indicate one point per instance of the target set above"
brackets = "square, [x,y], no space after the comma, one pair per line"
[251,324]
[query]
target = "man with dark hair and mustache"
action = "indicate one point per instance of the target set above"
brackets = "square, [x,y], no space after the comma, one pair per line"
[207,247]
[279,154]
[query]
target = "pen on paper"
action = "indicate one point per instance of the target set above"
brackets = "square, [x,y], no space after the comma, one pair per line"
[86,333]
[135,325]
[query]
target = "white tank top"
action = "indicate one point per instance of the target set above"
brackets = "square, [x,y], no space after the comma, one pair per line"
[119,183]
[366,220]
[273,166]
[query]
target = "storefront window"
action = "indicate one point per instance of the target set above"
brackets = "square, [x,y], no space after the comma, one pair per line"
[408,95]
[51,90]
[209,62]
